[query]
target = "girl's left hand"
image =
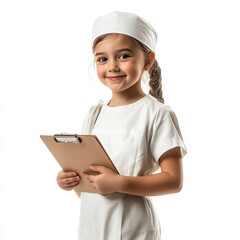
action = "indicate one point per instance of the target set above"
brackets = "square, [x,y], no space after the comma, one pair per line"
[105,182]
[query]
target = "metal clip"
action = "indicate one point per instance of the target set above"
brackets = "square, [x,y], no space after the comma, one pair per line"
[67,138]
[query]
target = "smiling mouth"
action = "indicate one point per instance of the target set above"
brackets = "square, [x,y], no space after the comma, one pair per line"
[116,78]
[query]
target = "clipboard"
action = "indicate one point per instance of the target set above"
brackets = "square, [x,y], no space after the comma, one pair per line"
[76,153]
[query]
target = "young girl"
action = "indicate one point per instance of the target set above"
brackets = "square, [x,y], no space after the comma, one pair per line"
[139,132]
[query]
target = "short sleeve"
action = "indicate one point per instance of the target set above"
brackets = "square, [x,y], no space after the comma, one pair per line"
[166,134]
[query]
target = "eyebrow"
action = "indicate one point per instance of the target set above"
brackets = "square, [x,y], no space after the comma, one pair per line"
[119,50]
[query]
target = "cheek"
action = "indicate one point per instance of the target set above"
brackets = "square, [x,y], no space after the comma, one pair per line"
[101,74]
[100,71]
[132,69]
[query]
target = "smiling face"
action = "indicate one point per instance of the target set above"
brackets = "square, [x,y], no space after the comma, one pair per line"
[120,62]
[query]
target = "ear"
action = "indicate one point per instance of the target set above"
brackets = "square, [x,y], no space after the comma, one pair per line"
[149,61]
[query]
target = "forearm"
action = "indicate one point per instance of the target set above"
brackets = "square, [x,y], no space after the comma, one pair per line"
[153,185]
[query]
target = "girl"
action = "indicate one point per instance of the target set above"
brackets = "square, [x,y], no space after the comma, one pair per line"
[139,132]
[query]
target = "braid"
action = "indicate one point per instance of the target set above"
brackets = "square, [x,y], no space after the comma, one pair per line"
[155,82]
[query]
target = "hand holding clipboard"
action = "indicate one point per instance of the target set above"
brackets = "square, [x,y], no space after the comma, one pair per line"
[76,153]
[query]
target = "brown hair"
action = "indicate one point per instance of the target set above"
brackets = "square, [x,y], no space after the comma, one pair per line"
[154,72]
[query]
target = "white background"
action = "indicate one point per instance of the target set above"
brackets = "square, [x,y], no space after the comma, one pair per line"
[46,89]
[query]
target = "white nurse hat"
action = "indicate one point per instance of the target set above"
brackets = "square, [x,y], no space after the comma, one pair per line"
[128,24]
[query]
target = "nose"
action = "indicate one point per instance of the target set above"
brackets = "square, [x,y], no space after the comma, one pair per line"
[113,66]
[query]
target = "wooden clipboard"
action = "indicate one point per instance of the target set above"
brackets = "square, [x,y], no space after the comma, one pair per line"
[76,153]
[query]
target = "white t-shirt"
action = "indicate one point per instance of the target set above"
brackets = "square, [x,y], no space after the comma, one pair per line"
[134,136]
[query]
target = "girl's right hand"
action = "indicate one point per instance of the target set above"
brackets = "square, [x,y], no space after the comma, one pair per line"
[67,180]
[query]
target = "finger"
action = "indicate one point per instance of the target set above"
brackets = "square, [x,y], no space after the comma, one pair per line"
[69,188]
[98,168]
[68,174]
[89,177]
[72,184]
[69,180]
[67,185]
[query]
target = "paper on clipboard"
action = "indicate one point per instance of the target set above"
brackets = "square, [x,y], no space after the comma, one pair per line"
[76,153]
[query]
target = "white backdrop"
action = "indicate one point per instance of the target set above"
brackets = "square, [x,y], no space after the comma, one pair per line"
[46,89]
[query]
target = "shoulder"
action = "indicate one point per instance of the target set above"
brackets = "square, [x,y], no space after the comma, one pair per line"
[156,109]
[92,108]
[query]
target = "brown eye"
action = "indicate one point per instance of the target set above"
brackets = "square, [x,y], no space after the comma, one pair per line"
[124,56]
[101,59]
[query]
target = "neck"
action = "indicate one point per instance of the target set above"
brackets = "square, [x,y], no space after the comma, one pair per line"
[127,96]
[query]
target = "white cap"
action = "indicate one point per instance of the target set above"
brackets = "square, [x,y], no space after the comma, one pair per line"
[125,23]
